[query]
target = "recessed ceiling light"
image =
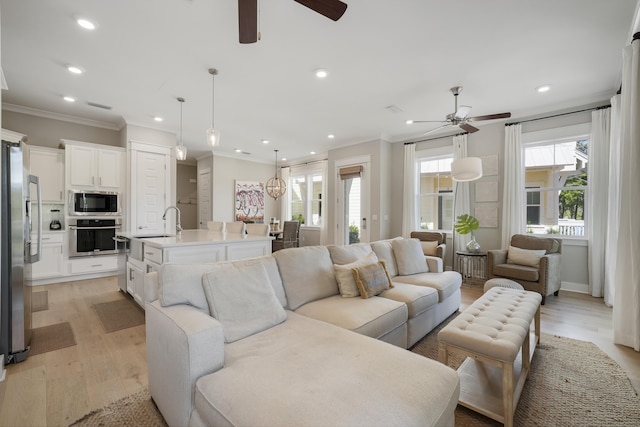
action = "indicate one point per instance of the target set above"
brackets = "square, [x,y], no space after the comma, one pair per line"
[312,152]
[409,122]
[74,69]
[238,150]
[331,136]
[86,24]
[321,73]
[283,159]
[158,119]
[69,99]
[543,88]
[265,141]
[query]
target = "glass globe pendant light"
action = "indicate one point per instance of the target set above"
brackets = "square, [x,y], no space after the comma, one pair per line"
[276,186]
[213,134]
[181,150]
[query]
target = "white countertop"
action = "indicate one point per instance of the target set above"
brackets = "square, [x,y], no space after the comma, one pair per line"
[199,237]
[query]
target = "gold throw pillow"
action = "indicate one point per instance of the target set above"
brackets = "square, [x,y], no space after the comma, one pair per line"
[372,279]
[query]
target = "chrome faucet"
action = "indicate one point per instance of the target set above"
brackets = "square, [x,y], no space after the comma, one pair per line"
[178,225]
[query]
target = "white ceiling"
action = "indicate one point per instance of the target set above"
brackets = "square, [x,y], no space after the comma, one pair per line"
[403,53]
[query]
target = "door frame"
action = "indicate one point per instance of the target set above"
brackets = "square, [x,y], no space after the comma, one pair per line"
[365,206]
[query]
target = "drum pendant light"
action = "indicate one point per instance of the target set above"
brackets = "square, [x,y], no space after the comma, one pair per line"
[213,134]
[276,187]
[181,150]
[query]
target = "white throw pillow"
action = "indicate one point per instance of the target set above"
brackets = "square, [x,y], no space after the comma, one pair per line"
[344,275]
[182,284]
[527,257]
[242,300]
[429,248]
[409,257]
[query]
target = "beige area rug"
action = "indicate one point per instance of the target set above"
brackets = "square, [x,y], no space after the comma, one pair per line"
[571,383]
[135,410]
[39,301]
[53,337]
[119,314]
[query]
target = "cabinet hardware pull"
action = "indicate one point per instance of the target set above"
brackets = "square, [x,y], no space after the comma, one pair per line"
[96,265]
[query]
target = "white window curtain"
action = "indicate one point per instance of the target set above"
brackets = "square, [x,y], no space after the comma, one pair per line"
[285,212]
[611,252]
[409,190]
[513,213]
[323,208]
[626,305]
[597,199]
[461,197]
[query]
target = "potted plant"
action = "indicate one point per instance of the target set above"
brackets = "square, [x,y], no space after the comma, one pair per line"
[468,224]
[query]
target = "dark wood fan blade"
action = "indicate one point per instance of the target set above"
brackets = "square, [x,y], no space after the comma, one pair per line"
[490,117]
[248,21]
[467,127]
[332,9]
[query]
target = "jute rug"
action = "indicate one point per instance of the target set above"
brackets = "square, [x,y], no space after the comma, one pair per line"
[119,314]
[39,301]
[571,383]
[53,337]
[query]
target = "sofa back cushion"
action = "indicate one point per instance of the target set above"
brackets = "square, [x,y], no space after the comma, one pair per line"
[409,257]
[349,253]
[182,283]
[242,300]
[307,274]
[549,244]
[384,252]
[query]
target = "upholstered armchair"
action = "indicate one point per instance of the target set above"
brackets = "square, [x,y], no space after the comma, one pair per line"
[534,262]
[289,238]
[434,243]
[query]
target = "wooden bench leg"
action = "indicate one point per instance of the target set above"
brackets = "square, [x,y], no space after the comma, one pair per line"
[443,354]
[537,323]
[507,393]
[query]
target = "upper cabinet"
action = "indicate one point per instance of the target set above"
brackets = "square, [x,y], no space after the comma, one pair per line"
[48,165]
[96,167]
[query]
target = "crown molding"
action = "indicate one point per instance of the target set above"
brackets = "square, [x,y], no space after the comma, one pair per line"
[63,117]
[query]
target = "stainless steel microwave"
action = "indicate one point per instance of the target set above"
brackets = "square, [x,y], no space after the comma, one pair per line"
[89,202]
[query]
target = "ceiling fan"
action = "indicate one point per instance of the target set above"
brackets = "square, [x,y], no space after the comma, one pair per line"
[460,117]
[248,15]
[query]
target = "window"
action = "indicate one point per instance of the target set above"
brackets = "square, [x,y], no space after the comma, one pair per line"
[305,197]
[435,188]
[556,184]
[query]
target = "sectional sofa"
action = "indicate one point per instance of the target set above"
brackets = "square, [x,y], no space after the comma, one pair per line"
[301,337]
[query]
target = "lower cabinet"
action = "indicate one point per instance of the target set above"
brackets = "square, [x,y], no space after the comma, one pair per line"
[135,280]
[93,264]
[51,262]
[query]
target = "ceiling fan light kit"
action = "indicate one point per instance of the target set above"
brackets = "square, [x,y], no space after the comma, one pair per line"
[276,186]
[213,134]
[181,150]
[459,117]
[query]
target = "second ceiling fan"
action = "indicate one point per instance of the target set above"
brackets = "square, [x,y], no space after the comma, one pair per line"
[248,15]
[459,117]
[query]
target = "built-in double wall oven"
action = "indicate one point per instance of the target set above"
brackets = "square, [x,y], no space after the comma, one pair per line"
[93,236]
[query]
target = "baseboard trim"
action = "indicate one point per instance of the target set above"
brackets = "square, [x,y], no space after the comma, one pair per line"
[581,288]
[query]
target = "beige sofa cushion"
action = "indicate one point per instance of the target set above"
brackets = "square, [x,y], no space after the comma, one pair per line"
[517,272]
[344,275]
[429,248]
[372,279]
[307,274]
[409,257]
[349,253]
[446,283]
[384,252]
[242,300]
[417,298]
[528,257]
[373,317]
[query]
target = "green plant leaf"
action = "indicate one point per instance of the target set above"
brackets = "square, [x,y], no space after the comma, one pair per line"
[466,224]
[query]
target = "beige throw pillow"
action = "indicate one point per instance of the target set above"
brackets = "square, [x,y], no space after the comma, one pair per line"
[344,275]
[372,279]
[429,248]
[409,257]
[526,257]
[242,300]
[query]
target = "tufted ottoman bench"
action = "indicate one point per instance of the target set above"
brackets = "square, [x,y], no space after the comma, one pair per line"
[491,333]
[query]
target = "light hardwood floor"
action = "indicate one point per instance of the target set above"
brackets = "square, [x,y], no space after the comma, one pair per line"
[58,387]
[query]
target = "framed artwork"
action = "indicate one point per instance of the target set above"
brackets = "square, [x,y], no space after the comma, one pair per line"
[490,165]
[487,191]
[249,203]
[487,216]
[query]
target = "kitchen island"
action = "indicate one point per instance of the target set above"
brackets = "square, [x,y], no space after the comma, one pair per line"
[149,253]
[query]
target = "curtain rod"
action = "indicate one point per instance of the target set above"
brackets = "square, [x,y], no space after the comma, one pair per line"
[304,164]
[436,137]
[602,107]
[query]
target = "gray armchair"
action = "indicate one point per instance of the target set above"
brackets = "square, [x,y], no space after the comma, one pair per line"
[544,279]
[431,236]
[289,238]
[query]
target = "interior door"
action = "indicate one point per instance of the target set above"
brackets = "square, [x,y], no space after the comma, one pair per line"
[204,198]
[353,203]
[150,192]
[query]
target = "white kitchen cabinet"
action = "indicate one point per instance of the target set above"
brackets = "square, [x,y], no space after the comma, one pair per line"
[135,280]
[93,264]
[48,165]
[89,166]
[51,257]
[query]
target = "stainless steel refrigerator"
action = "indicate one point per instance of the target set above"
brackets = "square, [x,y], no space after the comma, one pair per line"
[18,222]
